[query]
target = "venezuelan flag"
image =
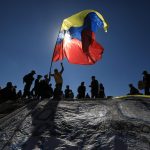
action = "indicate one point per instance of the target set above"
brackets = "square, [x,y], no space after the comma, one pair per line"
[76,40]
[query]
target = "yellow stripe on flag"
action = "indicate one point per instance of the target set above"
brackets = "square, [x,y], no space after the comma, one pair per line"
[77,20]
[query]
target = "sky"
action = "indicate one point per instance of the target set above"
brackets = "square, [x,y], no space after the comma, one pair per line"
[29,29]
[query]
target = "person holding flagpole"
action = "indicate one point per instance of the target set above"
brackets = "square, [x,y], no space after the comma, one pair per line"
[58,77]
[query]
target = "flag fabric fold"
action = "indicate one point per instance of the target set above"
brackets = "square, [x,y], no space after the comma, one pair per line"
[76,40]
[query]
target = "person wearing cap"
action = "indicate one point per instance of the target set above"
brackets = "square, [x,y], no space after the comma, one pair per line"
[28,80]
[146,81]
[94,87]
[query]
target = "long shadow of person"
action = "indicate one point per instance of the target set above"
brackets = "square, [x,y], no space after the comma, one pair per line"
[43,123]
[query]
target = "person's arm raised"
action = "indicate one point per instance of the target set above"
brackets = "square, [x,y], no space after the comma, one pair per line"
[62,68]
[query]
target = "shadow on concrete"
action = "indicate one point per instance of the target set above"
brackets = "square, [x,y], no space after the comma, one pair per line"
[43,123]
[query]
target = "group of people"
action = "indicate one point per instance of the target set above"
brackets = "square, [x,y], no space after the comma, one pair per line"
[42,88]
[97,90]
[144,84]
[9,92]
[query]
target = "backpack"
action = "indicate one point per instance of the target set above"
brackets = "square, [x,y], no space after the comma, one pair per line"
[25,78]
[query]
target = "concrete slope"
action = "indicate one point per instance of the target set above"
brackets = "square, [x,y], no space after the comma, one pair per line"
[113,124]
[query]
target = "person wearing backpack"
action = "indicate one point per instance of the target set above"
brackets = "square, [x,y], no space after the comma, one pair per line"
[28,80]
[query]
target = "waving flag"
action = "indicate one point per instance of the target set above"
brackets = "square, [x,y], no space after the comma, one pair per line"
[76,40]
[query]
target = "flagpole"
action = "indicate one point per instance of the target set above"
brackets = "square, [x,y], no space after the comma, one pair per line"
[50,69]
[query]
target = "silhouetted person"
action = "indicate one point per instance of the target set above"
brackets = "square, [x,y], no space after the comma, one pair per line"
[9,92]
[46,78]
[28,80]
[81,91]
[68,92]
[45,88]
[101,93]
[87,95]
[19,94]
[146,81]
[94,87]
[58,77]
[57,93]
[36,88]
[133,90]
[14,91]
[0,93]
[71,94]
[51,90]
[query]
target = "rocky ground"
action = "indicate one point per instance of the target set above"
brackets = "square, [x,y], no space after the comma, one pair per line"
[106,124]
[9,106]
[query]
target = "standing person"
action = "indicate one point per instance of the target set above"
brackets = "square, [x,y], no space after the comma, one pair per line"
[36,88]
[146,81]
[28,80]
[81,91]
[101,93]
[0,92]
[94,87]
[51,90]
[58,77]
[44,87]
[46,79]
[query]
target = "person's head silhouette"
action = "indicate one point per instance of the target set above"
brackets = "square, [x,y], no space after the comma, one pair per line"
[55,70]
[33,72]
[145,72]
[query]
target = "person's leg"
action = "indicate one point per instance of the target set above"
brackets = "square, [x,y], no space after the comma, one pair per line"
[92,94]
[146,89]
[25,91]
